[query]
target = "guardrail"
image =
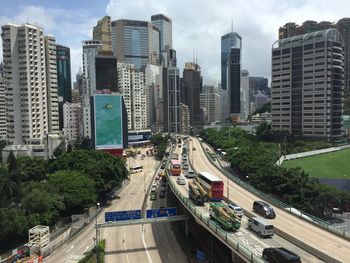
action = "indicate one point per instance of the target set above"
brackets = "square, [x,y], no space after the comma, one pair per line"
[225,238]
[307,217]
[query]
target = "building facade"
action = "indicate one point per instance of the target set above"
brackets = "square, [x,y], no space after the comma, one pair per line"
[3,111]
[102,32]
[64,80]
[192,81]
[164,25]
[185,126]
[234,81]
[307,85]
[135,42]
[171,87]
[26,79]
[131,84]
[210,100]
[106,73]
[73,121]
[245,98]
[228,41]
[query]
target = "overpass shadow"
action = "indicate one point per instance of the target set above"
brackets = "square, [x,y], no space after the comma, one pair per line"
[126,251]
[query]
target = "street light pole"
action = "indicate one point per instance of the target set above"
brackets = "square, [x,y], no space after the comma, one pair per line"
[97,258]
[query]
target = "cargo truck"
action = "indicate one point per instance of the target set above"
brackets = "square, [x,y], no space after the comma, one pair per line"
[196,193]
[222,214]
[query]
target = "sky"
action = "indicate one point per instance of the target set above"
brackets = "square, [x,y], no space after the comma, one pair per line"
[197,24]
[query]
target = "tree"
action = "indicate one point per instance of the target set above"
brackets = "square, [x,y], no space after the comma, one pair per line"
[12,163]
[76,189]
[9,187]
[32,169]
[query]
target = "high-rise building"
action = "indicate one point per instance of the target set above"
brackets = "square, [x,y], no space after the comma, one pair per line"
[261,100]
[131,84]
[51,84]
[72,119]
[164,25]
[26,78]
[210,100]
[245,101]
[228,41]
[192,81]
[343,26]
[3,112]
[90,51]
[63,79]
[102,32]
[135,42]
[184,119]
[307,85]
[106,73]
[234,81]
[79,83]
[171,93]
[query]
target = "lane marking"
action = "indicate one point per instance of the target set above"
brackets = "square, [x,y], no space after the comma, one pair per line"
[69,249]
[145,247]
[82,245]
[86,249]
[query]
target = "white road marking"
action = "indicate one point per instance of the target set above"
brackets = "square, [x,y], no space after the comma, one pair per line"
[69,249]
[82,245]
[124,241]
[145,247]
[86,249]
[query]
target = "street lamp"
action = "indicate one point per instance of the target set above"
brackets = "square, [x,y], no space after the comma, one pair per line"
[97,258]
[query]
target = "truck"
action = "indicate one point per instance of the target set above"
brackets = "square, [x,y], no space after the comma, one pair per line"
[222,214]
[196,193]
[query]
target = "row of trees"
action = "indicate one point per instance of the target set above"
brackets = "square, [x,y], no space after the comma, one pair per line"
[161,143]
[254,160]
[34,191]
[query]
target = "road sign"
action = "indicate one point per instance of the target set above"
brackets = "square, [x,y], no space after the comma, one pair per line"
[161,212]
[122,215]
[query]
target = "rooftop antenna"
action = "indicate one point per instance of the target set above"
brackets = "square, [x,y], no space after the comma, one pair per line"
[193,57]
[231,25]
[196,57]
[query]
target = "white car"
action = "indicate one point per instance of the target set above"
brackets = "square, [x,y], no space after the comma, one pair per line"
[237,210]
[181,180]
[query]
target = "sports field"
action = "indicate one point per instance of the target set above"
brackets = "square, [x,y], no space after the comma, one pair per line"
[328,165]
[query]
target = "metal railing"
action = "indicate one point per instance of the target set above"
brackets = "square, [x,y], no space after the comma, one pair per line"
[307,217]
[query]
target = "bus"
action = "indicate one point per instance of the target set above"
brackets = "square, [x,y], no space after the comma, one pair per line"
[175,167]
[212,185]
[136,169]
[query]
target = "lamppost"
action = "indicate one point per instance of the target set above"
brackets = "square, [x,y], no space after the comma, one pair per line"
[97,207]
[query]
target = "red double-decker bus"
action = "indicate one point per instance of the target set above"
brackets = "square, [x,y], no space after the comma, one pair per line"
[175,167]
[212,185]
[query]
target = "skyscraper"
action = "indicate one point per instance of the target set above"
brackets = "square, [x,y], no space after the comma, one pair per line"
[307,85]
[26,83]
[228,41]
[102,32]
[245,101]
[171,87]
[234,81]
[192,81]
[210,100]
[164,25]
[63,79]
[135,42]
[131,85]
[106,73]
[3,112]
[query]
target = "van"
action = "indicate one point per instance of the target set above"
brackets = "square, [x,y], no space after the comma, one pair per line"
[280,254]
[260,226]
[136,169]
[264,209]
[190,173]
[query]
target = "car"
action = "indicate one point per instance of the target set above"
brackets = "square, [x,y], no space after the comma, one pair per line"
[181,180]
[264,209]
[163,183]
[153,196]
[189,173]
[161,194]
[193,148]
[260,226]
[156,178]
[162,166]
[237,210]
[163,188]
[280,254]
[185,166]
[179,146]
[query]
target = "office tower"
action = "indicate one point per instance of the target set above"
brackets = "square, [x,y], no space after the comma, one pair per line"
[261,100]
[184,119]
[131,84]
[106,73]
[26,82]
[80,82]
[102,32]
[343,26]
[245,101]
[90,51]
[164,25]
[258,84]
[228,41]
[234,82]
[171,85]
[63,79]
[51,84]
[155,97]
[192,81]
[75,96]
[307,85]
[73,121]
[3,112]
[210,100]
[135,42]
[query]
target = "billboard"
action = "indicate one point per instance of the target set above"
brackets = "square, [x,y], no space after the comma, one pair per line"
[108,121]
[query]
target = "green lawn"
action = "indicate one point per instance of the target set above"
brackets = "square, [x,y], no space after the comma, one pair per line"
[328,165]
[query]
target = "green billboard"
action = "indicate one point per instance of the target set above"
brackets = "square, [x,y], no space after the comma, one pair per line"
[108,121]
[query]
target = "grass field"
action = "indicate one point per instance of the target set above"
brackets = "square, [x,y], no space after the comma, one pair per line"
[328,165]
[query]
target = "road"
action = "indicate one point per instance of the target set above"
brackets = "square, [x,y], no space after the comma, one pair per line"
[312,235]
[125,244]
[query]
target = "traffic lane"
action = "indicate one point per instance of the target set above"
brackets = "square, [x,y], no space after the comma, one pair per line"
[308,233]
[127,242]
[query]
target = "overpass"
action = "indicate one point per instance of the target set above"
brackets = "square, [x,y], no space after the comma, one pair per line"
[317,241]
